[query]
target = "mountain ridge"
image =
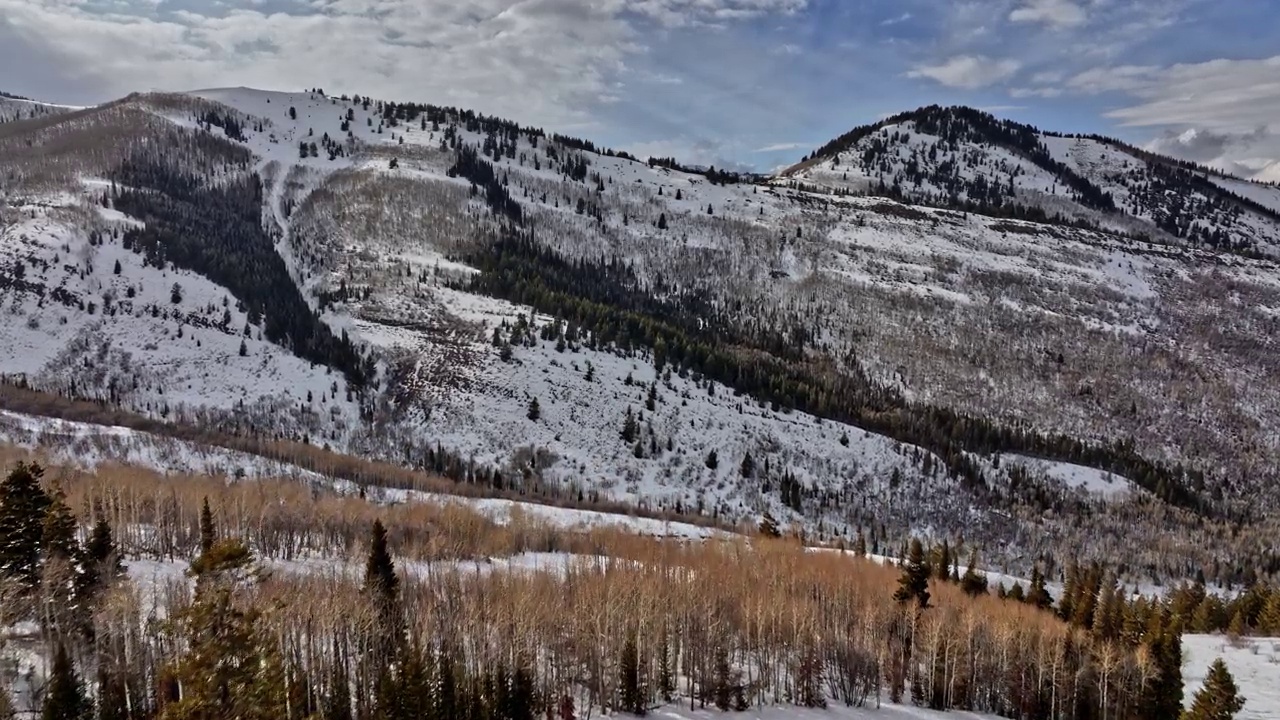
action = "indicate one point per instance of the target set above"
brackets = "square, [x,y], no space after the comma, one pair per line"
[398,236]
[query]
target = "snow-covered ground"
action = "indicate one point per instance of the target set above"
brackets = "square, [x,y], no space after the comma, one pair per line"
[86,445]
[1253,662]
[834,712]
[1091,480]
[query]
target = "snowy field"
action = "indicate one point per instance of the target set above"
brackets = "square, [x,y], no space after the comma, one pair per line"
[835,712]
[1253,662]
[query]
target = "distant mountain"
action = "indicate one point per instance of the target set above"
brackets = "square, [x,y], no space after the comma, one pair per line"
[966,159]
[941,324]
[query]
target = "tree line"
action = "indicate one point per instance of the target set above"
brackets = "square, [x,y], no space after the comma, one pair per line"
[712,625]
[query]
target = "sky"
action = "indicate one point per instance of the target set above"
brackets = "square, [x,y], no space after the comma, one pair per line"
[733,83]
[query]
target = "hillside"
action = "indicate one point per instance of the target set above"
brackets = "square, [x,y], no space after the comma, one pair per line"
[962,158]
[441,289]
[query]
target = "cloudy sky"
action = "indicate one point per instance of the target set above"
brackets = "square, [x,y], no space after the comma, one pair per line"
[748,82]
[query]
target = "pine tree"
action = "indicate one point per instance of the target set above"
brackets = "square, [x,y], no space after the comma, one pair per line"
[535,411]
[629,682]
[914,583]
[942,562]
[973,583]
[64,699]
[1038,595]
[229,669]
[380,571]
[662,221]
[629,427]
[1269,620]
[208,531]
[22,509]
[713,460]
[769,526]
[860,544]
[748,468]
[244,348]
[60,570]
[1219,699]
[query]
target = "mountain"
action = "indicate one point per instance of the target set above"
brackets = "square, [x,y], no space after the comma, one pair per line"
[966,159]
[1051,346]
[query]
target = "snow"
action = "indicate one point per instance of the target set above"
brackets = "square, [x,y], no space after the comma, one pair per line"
[1090,480]
[1264,194]
[86,446]
[504,511]
[1253,662]
[834,712]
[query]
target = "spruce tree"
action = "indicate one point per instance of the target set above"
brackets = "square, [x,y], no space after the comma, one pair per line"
[1219,699]
[229,668]
[60,570]
[208,532]
[973,583]
[1269,620]
[629,688]
[535,411]
[913,586]
[860,544]
[1038,595]
[22,508]
[64,699]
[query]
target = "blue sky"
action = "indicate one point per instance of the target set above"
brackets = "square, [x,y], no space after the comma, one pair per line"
[754,83]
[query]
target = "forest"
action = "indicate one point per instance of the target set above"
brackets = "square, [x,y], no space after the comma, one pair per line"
[772,365]
[272,599]
[217,231]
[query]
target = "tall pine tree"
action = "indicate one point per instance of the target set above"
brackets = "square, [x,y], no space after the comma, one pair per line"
[22,508]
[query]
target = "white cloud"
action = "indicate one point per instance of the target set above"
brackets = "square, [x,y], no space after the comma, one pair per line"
[545,62]
[1057,14]
[897,20]
[1224,113]
[779,147]
[968,72]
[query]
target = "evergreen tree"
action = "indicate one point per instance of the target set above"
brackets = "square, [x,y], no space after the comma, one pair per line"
[1219,699]
[380,571]
[973,583]
[629,427]
[748,468]
[769,526]
[1038,595]
[228,669]
[535,411]
[1269,620]
[713,460]
[629,682]
[22,509]
[60,570]
[208,532]
[942,562]
[914,583]
[860,544]
[64,699]
[662,221]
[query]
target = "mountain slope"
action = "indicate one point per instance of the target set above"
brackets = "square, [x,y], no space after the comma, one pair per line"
[966,159]
[837,362]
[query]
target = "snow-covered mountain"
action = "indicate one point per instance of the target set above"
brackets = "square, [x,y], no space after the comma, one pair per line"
[414,283]
[967,159]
